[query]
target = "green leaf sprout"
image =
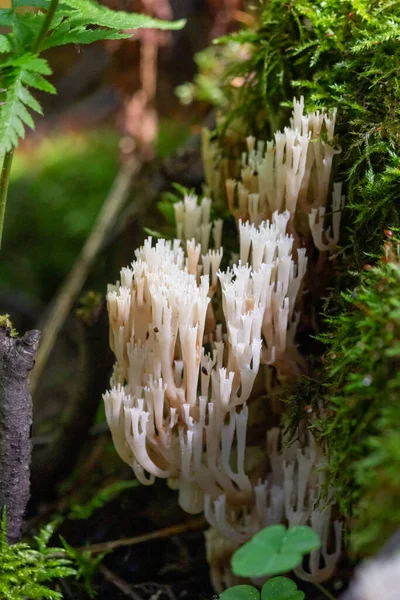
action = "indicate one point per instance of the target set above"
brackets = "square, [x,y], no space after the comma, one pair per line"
[274,550]
[281,588]
[241,592]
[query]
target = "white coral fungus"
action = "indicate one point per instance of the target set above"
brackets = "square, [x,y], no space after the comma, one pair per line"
[175,410]
[178,403]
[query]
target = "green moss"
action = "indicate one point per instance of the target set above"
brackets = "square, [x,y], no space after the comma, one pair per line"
[361,430]
[301,403]
[89,305]
[378,511]
[344,54]
[337,53]
[32,571]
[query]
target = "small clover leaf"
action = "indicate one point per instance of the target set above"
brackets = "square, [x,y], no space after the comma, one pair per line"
[274,550]
[281,588]
[300,538]
[241,592]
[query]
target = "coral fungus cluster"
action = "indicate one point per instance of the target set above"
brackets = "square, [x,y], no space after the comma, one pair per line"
[194,341]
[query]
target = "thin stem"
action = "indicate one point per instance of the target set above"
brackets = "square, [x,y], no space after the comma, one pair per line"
[4,181]
[37,46]
[324,590]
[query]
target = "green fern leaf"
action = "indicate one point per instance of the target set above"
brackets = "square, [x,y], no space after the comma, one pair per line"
[29,62]
[16,99]
[5,44]
[25,28]
[38,82]
[80,35]
[97,14]
[28,100]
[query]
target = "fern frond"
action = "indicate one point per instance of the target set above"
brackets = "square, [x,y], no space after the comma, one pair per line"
[19,74]
[76,22]
[97,14]
[65,34]
[29,62]
[38,82]
[103,16]
[5,44]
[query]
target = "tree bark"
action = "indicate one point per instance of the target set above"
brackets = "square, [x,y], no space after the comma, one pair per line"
[17,358]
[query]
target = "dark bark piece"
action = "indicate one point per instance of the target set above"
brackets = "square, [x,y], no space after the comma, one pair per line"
[17,358]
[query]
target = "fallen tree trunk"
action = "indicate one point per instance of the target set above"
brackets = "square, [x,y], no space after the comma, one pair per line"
[17,358]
